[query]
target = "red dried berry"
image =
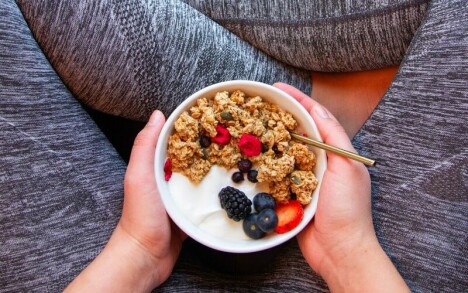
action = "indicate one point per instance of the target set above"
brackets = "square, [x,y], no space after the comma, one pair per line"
[250,145]
[222,137]
[167,170]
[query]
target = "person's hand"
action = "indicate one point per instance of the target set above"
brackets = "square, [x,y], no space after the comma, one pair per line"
[144,218]
[340,242]
[343,218]
[145,244]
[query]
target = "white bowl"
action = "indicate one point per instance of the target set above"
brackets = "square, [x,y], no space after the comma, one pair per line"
[270,94]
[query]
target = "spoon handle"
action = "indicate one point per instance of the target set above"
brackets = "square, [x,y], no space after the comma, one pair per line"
[356,157]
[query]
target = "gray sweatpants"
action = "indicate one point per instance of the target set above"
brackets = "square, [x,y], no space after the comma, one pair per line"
[61,180]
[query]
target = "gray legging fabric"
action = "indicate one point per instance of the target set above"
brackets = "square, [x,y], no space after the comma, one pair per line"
[61,181]
[128,57]
[322,35]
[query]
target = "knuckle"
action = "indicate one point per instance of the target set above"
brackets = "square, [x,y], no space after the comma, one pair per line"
[130,180]
[142,138]
[334,130]
[336,126]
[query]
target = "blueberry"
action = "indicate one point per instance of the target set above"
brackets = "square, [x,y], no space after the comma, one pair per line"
[252,176]
[267,220]
[205,141]
[244,165]
[237,177]
[276,150]
[264,201]
[251,228]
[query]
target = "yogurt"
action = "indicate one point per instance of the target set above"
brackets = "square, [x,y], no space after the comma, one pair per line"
[200,202]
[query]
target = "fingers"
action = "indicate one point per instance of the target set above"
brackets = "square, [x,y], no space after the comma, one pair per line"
[330,129]
[302,98]
[141,162]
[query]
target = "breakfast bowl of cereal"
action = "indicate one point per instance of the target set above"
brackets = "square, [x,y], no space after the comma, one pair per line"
[228,171]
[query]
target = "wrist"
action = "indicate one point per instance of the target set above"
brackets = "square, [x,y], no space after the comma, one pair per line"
[339,271]
[122,266]
[139,266]
[366,268]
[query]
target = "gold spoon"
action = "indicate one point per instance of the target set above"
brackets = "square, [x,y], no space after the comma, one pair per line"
[366,161]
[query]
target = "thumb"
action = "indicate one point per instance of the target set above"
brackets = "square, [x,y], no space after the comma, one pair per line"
[330,129]
[141,162]
[332,133]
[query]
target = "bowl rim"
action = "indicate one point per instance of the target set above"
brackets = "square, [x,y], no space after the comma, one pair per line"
[182,222]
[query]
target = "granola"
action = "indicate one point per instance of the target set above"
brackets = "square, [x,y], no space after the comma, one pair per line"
[302,184]
[275,169]
[304,158]
[281,190]
[285,165]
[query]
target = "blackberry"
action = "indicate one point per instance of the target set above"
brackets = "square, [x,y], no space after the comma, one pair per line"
[244,165]
[236,204]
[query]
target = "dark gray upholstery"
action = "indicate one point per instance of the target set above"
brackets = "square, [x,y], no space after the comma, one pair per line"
[61,181]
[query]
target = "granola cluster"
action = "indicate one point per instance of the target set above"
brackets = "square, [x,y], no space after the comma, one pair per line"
[284,164]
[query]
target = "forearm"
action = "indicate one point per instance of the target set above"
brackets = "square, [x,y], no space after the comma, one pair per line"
[120,267]
[368,269]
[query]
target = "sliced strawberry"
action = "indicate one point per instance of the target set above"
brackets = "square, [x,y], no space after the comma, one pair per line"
[289,216]
[250,145]
[223,136]
[167,170]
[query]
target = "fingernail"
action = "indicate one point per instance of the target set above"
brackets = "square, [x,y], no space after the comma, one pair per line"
[155,118]
[321,112]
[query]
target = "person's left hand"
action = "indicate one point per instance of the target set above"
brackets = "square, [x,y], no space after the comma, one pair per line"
[145,245]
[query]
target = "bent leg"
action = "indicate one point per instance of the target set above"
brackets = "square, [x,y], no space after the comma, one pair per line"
[322,35]
[418,135]
[60,180]
[128,58]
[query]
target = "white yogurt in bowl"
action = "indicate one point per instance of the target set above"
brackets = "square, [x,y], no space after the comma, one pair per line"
[200,202]
[196,208]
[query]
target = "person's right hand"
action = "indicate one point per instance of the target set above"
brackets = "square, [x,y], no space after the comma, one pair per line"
[340,242]
[145,245]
